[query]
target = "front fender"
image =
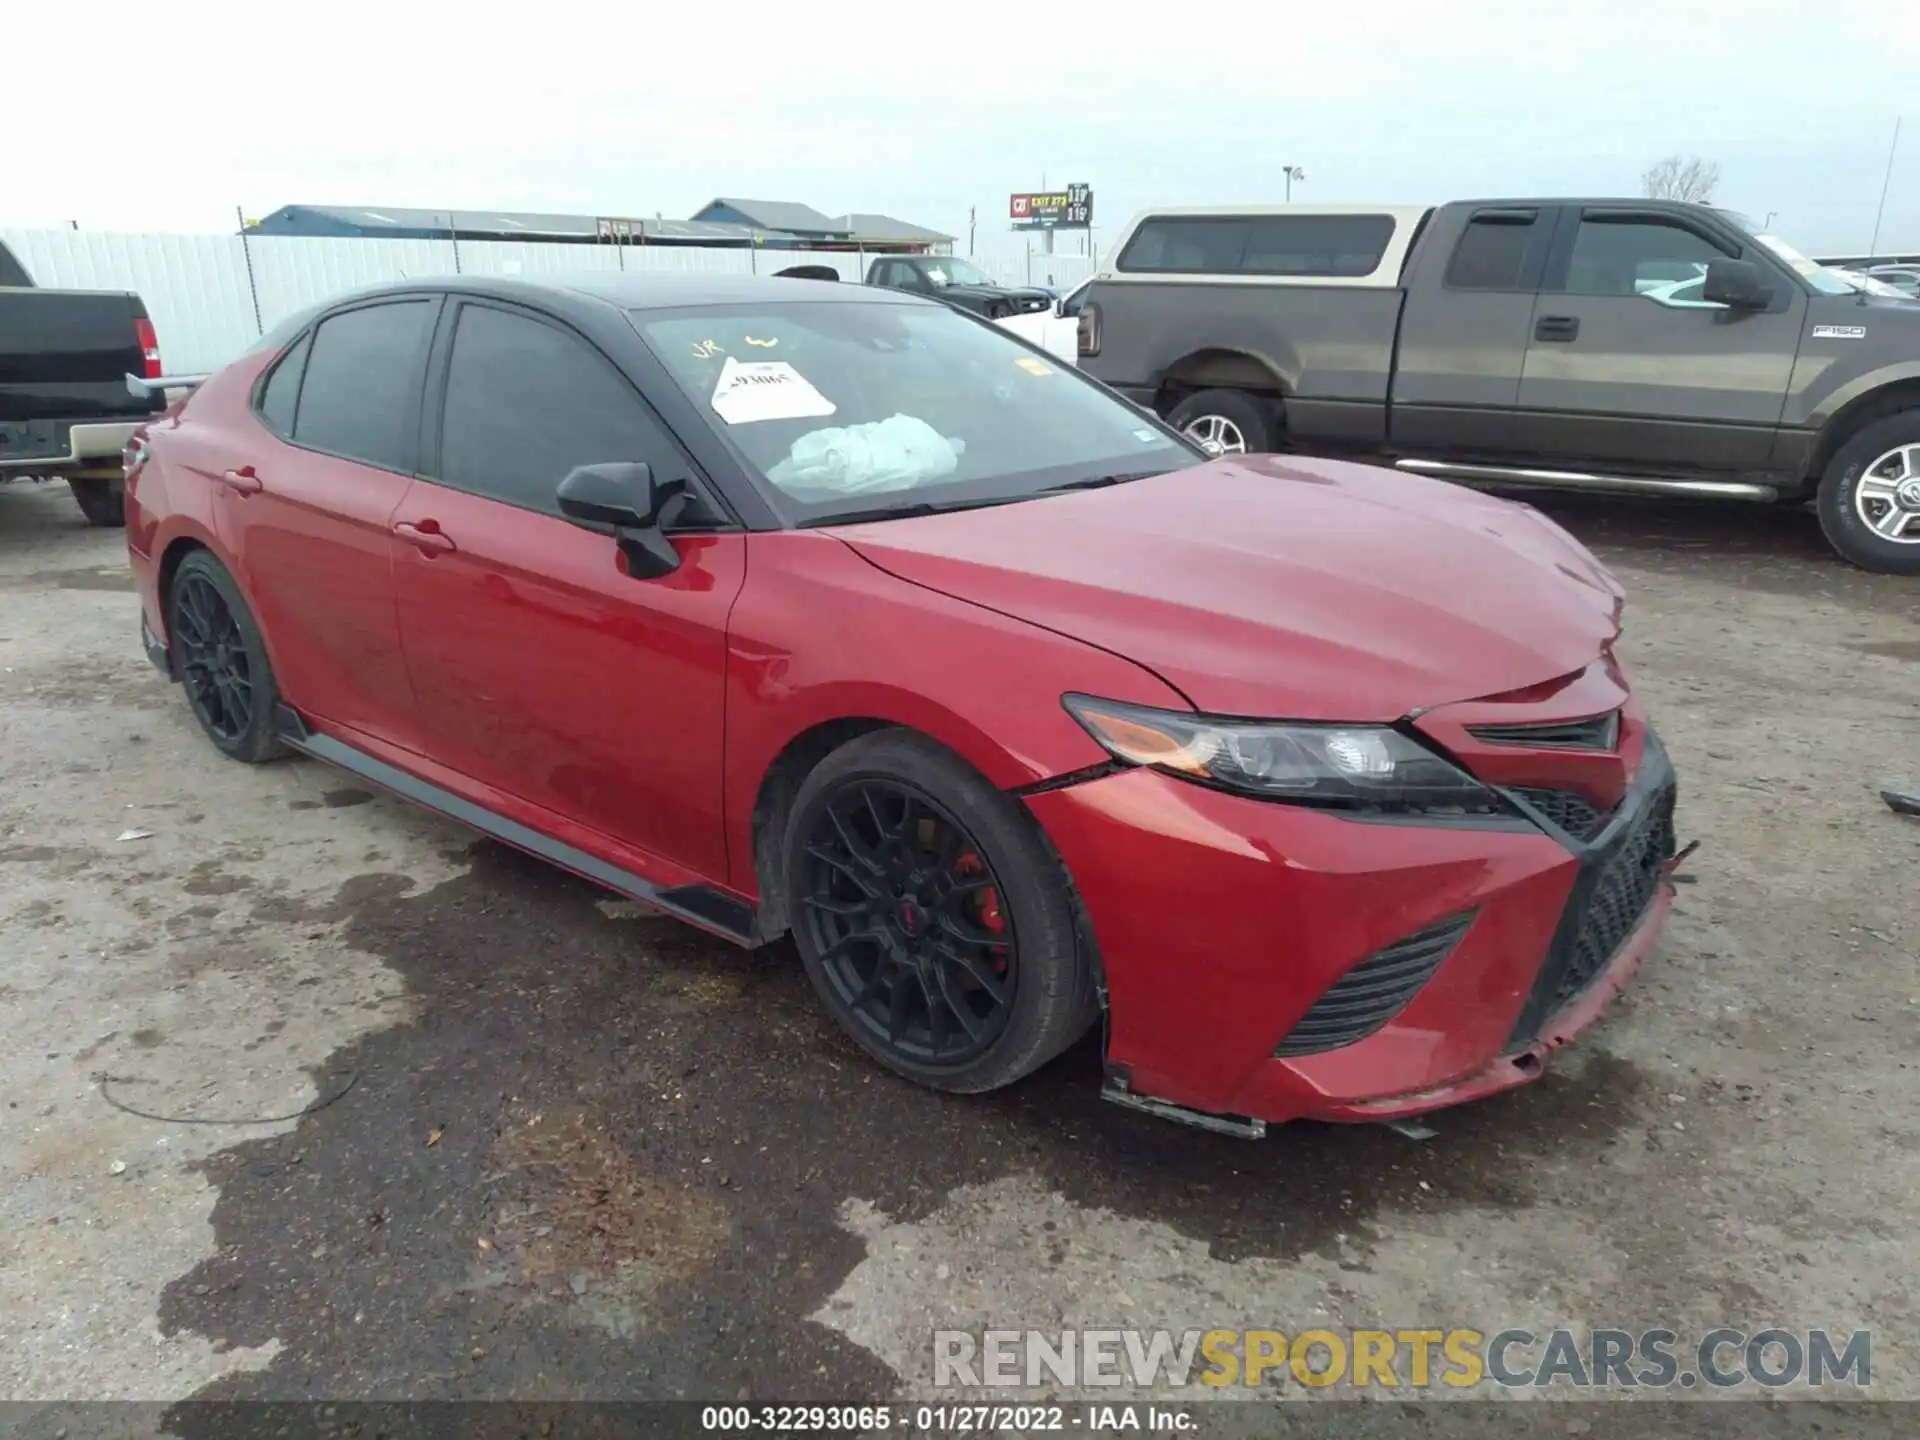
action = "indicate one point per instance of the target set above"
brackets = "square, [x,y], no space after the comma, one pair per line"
[821,635]
[1831,391]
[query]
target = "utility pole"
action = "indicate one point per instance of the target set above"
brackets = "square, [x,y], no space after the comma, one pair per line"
[1293,173]
[970,220]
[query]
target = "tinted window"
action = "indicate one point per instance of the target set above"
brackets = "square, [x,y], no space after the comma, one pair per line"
[360,397]
[527,402]
[1316,245]
[1631,255]
[12,272]
[1189,245]
[282,389]
[1344,245]
[1492,253]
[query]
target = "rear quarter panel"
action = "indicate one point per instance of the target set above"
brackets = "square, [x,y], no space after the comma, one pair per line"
[1326,344]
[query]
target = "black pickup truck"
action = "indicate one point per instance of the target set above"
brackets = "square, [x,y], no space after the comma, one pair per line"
[1629,345]
[66,407]
[958,282]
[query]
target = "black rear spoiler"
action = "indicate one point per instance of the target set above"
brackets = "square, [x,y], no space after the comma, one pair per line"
[160,384]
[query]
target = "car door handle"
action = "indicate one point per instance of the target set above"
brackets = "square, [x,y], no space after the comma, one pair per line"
[1557,327]
[425,536]
[241,478]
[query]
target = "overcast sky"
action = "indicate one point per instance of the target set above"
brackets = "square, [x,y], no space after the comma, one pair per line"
[152,116]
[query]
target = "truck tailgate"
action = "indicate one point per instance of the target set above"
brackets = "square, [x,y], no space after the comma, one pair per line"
[64,357]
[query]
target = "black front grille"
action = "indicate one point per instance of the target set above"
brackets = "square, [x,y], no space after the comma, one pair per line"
[1610,898]
[1624,887]
[1375,990]
[1602,732]
[1568,809]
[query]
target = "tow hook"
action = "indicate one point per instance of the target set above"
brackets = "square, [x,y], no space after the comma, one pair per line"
[1672,868]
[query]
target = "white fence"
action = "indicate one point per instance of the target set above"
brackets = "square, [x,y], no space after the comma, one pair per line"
[211,296]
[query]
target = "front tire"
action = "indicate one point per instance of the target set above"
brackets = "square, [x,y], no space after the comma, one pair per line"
[101,500]
[222,661]
[1869,499]
[933,920]
[1227,422]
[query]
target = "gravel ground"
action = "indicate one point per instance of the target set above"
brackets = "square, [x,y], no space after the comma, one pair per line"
[565,1149]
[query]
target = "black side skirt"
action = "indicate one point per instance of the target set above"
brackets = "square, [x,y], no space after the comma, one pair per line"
[711,910]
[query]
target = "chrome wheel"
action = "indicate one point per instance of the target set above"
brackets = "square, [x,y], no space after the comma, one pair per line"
[1216,435]
[1887,496]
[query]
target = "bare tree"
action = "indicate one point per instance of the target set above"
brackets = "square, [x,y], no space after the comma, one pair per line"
[1682,177]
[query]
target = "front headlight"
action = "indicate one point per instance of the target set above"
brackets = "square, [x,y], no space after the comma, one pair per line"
[1352,767]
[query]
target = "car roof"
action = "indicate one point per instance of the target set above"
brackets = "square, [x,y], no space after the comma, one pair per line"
[654,290]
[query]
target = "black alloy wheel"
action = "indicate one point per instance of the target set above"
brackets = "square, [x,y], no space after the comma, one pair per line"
[904,916]
[220,659]
[213,660]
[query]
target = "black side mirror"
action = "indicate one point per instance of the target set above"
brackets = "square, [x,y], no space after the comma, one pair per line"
[1737,284]
[623,496]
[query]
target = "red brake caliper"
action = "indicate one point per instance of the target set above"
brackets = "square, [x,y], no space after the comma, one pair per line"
[986,906]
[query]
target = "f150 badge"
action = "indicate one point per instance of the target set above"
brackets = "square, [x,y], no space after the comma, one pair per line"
[1839,332]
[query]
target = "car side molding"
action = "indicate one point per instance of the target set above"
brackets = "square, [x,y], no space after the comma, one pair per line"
[711,910]
[1582,480]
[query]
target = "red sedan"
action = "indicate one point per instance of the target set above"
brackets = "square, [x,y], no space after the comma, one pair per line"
[791,608]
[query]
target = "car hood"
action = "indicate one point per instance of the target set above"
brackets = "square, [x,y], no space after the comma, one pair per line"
[1281,587]
[996,292]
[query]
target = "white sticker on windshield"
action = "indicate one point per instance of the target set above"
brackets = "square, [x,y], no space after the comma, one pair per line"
[936,275]
[765,390]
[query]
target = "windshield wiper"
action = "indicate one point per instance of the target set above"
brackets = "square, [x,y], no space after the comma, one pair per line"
[1100,482]
[902,512]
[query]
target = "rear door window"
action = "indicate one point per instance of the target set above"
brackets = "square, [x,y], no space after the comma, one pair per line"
[1493,251]
[281,393]
[360,397]
[13,275]
[528,401]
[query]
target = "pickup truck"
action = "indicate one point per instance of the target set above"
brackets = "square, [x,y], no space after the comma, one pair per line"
[67,407]
[958,282]
[1540,343]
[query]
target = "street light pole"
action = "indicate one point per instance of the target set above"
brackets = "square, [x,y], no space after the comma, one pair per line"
[1293,173]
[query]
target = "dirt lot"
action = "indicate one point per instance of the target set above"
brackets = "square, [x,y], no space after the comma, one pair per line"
[564,1149]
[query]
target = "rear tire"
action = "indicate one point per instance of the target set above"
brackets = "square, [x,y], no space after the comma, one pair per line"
[1237,421]
[102,501]
[222,661]
[917,890]
[1855,521]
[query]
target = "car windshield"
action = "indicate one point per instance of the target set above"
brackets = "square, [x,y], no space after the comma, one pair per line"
[946,270]
[870,408]
[1815,274]
[1872,285]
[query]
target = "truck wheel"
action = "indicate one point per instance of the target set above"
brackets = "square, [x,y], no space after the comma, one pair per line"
[1226,422]
[103,502]
[1869,499]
